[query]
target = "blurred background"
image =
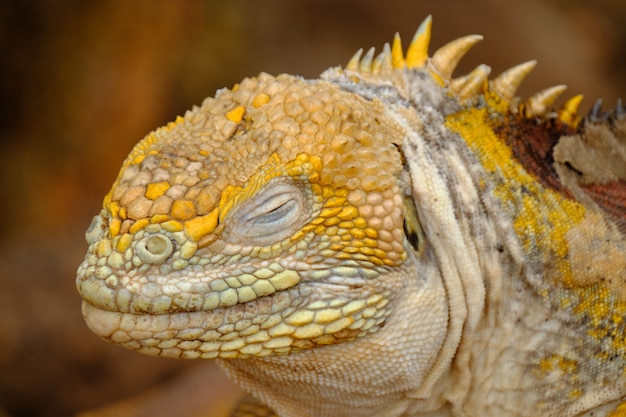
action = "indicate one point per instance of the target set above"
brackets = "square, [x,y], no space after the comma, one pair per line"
[82,82]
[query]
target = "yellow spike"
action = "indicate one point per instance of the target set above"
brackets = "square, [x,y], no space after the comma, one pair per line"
[569,113]
[417,54]
[468,86]
[507,83]
[397,56]
[353,64]
[445,60]
[539,104]
[366,63]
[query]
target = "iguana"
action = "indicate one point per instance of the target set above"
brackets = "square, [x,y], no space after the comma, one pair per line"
[383,241]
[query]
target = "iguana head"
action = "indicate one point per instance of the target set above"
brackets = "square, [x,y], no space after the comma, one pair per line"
[259,222]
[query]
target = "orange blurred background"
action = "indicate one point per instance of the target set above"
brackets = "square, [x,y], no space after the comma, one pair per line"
[81,82]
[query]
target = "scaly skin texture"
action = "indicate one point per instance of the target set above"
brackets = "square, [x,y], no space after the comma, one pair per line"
[382,241]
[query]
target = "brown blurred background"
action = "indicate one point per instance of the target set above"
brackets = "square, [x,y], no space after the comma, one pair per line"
[81,82]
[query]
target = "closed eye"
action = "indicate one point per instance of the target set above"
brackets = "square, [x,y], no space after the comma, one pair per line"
[273,214]
[275,210]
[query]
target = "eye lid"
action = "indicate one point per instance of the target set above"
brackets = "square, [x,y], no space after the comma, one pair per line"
[273,214]
[274,203]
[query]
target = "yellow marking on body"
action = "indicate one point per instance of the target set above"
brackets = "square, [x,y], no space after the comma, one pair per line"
[259,100]
[544,216]
[227,201]
[138,225]
[159,218]
[201,226]
[357,234]
[115,226]
[620,411]
[557,363]
[157,189]
[303,164]
[138,159]
[183,209]
[371,233]
[330,212]
[299,234]
[360,223]
[575,393]
[495,102]
[114,209]
[348,213]
[124,242]
[345,225]
[236,114]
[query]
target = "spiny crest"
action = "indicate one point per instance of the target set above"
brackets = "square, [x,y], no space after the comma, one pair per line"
[466,88]
[597,115]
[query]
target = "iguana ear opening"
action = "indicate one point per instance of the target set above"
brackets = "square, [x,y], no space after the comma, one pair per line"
[412,227]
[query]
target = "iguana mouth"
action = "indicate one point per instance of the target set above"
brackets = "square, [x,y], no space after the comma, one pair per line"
[272,324]
[179,334]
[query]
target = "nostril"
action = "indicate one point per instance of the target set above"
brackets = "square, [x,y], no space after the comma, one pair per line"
[157,245]
[154,249]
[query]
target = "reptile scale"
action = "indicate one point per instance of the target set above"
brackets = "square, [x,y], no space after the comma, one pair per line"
[385,240]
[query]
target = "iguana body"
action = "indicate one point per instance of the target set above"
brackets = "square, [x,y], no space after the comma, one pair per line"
[384,241]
